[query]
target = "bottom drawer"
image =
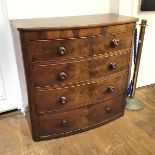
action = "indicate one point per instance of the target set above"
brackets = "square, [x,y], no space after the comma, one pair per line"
[80,119]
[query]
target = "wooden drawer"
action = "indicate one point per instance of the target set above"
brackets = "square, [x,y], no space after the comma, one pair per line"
[80,118]
[112,42]
[45,50]
[65,98]
[109,64]
[78,33]
[59,74]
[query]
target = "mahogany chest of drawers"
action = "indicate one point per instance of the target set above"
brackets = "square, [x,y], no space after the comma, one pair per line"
[77,71]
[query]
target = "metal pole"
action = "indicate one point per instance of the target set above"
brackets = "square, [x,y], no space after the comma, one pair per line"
[139,52]
[132,102]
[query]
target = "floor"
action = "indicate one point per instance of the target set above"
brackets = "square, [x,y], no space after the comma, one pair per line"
[132,134]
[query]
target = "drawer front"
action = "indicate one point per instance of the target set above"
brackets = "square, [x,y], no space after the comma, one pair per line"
[76,33]
[80,118]
[109,64]
[58,49]
[59,74]
[112,42]
[65,98]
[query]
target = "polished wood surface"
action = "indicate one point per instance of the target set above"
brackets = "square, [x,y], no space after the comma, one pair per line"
[76,70]
[109,64]
[105,44]
[72,22]
[49,100]
[51,49]
[132,134]
[47,50]
[48,34]
[49,75]
[80,119]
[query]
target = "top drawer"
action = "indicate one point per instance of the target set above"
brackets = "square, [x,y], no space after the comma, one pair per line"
[45,50]
[111,42]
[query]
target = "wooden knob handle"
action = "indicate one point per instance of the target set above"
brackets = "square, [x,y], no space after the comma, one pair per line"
[112,66]
[111,88]
[63,100]
[64,122]
[62,51]
[62,76]
[115,42]
[108,110]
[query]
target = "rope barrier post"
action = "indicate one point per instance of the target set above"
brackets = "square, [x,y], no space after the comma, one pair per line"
[132,102]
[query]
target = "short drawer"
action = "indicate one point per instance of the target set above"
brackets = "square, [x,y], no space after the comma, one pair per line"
[66,98]
[112,42]
[60,74]
[91,115]
[46,50]
[109,64]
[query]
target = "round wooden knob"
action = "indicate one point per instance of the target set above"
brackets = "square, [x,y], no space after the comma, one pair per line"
[63,100]
[108,110]
[64,122]
[62,76]
[62,51]
[111,88]
[112,66]
[115,42]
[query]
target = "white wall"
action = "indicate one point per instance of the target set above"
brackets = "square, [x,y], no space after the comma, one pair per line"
[114,6]
[18,9]
[8,68]
[146,74]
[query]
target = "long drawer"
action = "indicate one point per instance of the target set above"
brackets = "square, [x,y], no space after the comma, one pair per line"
[69,97]
[71,48]
[74,72]
[80,118]
[77,33]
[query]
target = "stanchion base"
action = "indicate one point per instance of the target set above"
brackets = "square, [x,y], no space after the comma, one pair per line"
[134,104]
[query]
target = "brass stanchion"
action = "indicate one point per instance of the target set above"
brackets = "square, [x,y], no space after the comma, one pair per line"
[132,102]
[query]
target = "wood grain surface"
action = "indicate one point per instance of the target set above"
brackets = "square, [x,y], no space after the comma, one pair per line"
[49,100]
[80,119]
[72,22]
